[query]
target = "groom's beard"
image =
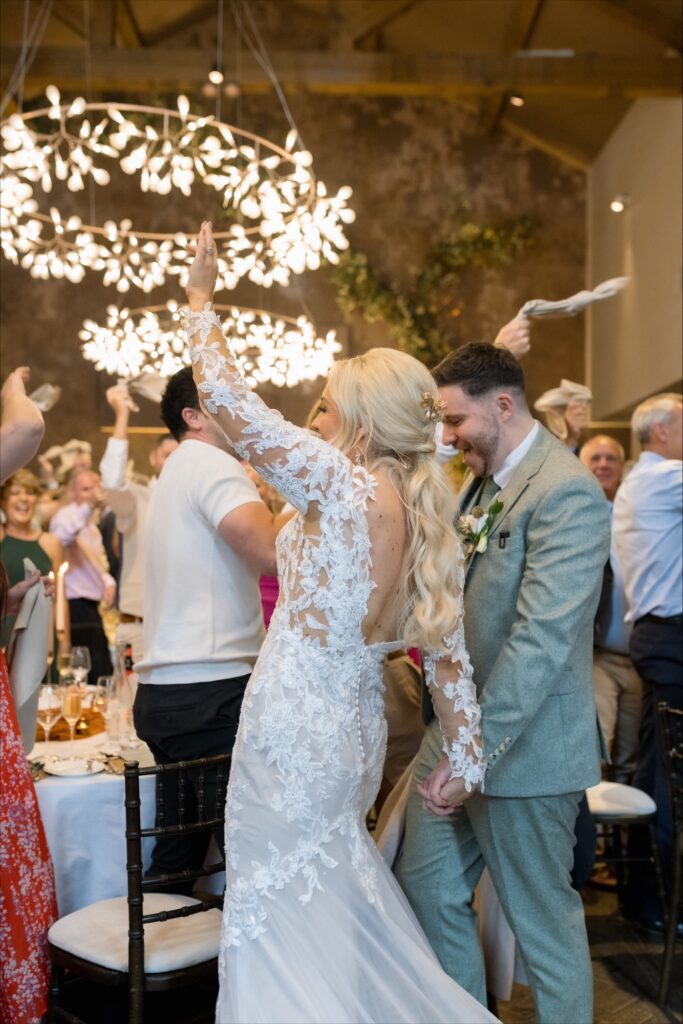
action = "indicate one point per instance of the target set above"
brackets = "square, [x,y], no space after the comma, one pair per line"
[480,457]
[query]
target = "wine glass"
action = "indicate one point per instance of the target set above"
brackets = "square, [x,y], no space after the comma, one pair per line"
[80,665]
[49,708]
[106,704]
[72,701]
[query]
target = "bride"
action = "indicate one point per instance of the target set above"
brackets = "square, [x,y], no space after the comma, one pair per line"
[315,926]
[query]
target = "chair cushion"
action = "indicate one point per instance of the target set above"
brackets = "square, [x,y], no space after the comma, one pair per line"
[99,933]
[614,798]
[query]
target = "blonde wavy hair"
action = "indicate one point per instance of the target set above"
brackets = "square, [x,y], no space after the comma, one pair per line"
[383,392]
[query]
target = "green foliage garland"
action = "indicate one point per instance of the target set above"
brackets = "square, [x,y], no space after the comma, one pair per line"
[422,321]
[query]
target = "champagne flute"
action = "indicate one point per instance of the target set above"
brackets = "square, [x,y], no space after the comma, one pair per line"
[105,703]
[64,665]
[49,708]
[80,664]
[72,701]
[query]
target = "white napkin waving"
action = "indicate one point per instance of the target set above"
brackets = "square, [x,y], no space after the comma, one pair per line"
[575,303]
[27,655]
[148,384]
[559,398]
[46,396]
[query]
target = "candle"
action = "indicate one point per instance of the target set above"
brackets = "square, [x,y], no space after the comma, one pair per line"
[51,635]
[60,609]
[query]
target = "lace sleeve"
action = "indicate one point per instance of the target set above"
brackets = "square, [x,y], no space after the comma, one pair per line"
[300,465]
[455,701]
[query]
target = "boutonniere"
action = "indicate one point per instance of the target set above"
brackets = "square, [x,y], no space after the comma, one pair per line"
[474,528]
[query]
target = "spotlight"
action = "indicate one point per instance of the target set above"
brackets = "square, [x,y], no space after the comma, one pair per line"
[516,100]
[215,75]
[619,203]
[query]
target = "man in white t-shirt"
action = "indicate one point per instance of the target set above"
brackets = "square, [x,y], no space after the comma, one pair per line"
[207,538]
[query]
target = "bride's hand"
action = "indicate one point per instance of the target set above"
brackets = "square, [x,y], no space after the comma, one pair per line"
[204,270]
[430,789]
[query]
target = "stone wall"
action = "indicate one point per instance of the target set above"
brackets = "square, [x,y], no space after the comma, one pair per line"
[409,162]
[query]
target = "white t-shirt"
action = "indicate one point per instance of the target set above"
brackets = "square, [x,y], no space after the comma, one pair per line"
[203,618]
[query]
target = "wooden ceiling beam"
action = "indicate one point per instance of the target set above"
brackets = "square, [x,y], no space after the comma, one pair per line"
[388,74]
[127,24]
[102,23]
[648,19]
[366,21]
[200,14]
[518,38]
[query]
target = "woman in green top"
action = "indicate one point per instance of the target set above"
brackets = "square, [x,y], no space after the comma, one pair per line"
[21,539]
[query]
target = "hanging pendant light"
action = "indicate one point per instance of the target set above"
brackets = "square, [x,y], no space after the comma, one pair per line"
[284,222]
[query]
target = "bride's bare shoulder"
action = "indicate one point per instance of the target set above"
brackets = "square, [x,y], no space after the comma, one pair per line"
[387,504]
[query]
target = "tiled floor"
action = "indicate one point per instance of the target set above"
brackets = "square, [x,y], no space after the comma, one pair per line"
[626,965]
[626,969]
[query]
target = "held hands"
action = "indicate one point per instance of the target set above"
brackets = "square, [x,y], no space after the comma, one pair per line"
[440,794]
[204,270]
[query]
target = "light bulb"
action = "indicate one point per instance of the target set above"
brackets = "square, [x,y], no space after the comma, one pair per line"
[516,100]
[215,75]
[619,203]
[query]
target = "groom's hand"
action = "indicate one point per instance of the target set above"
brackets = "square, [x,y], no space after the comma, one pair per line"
[442,795]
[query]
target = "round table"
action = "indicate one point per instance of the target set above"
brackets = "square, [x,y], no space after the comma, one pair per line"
[85,824]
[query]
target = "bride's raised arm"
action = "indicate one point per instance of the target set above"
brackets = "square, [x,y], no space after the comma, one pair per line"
[303,467]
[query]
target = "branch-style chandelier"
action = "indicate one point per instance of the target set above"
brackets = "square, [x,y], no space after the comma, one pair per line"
[279,349]
[283,220]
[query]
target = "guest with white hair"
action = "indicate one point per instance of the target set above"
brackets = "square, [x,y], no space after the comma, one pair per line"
[648,518]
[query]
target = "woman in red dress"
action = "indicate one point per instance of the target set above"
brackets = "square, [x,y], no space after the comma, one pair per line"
[28,905]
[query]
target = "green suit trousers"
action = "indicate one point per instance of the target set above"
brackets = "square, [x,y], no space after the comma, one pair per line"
[527,845]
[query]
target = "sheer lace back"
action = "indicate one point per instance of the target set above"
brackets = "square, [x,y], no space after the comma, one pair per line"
[324,555]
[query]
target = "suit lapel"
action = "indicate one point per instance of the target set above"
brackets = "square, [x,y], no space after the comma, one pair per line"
[519,481]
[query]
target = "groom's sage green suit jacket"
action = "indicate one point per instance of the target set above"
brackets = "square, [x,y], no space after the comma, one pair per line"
[530,601]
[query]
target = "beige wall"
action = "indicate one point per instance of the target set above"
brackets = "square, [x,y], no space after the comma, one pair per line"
[634,341]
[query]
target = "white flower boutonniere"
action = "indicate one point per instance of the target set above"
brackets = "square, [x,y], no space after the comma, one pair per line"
[474,528]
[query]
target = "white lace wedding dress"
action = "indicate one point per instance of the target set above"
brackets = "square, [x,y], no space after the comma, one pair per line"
[316,929]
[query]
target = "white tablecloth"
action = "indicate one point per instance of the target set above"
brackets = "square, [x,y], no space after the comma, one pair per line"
[85,825]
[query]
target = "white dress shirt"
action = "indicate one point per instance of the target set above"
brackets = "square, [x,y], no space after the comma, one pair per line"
[647,523]
[130,503]
[502,476]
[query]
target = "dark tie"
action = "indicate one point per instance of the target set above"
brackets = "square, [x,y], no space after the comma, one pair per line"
[487,493]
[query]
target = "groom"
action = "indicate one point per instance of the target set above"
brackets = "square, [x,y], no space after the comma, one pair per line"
[531,592]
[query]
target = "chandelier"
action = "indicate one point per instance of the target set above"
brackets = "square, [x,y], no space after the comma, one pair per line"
[281,220]
[279,349]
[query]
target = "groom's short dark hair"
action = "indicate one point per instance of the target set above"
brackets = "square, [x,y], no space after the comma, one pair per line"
[181,393]
[478,368]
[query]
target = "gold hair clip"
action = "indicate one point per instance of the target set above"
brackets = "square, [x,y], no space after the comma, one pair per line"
[434,407]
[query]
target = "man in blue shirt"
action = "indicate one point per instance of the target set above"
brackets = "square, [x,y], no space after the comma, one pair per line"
[648,520]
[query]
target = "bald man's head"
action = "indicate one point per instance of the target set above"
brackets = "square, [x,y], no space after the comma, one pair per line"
[605,457]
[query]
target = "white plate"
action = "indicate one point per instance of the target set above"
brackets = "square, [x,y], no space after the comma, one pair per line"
[73,769]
